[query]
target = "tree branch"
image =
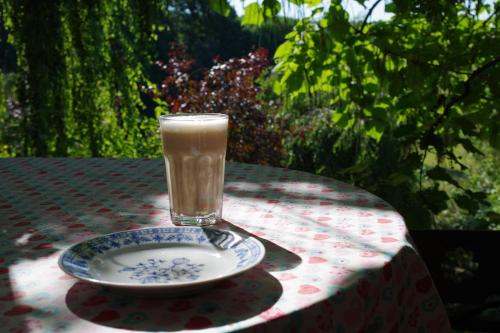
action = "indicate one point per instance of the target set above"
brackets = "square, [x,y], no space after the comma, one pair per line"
[491,16]
[370,11]
[458,98]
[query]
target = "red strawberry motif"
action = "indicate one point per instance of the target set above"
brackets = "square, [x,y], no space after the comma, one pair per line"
[380,205]
[95,300]
[424,285]
[326,203]
[317,260]
[18,310]
[180,306]
[297,249]
[321,236]
[367,232]
[388,239]
[133,227]
[13,296]
[35,238]
[286,276]
[43,246]
[271,313]
[198,322]
[104,210]
[323,219]
[307,289]
[327,190]
[21,224]
[384,221]
[273,201]
[106,315]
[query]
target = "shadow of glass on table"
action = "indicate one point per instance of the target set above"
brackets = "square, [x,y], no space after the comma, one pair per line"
[276,258]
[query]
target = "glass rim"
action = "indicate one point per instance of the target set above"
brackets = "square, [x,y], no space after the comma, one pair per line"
[189,116]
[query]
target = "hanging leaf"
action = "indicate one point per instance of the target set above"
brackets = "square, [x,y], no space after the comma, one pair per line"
[221,7]
[436,200]
[254,15]
[271,8]
[439,173]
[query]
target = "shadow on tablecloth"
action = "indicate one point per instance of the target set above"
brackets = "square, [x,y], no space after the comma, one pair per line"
[229,302]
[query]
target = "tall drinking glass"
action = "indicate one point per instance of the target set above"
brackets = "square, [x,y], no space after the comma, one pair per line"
[194,147]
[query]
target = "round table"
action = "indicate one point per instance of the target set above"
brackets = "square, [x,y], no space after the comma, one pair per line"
[338,259]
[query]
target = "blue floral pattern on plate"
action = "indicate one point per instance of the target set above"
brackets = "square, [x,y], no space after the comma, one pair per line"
[76,260]
[164,271]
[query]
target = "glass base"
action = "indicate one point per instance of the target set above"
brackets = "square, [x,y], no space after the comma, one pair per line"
[194,221]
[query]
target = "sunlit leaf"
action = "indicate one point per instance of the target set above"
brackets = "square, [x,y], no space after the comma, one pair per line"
[254,15]
[220,6]
[312,3]
[283,50]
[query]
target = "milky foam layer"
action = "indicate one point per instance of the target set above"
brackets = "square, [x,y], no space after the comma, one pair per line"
[197,122]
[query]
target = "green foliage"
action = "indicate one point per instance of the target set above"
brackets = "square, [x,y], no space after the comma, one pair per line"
[483,179]
[425,82]
[78,68]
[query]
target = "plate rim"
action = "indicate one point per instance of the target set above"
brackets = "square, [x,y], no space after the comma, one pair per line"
[162,285]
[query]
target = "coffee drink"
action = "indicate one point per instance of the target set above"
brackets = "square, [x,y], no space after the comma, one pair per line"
[194,147]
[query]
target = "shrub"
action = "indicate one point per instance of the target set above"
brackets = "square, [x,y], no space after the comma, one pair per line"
[227,87]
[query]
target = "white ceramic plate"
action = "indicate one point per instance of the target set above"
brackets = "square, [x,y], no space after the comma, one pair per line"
[166,260]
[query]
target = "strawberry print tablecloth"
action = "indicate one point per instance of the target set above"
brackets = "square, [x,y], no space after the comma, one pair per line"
[338,259]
